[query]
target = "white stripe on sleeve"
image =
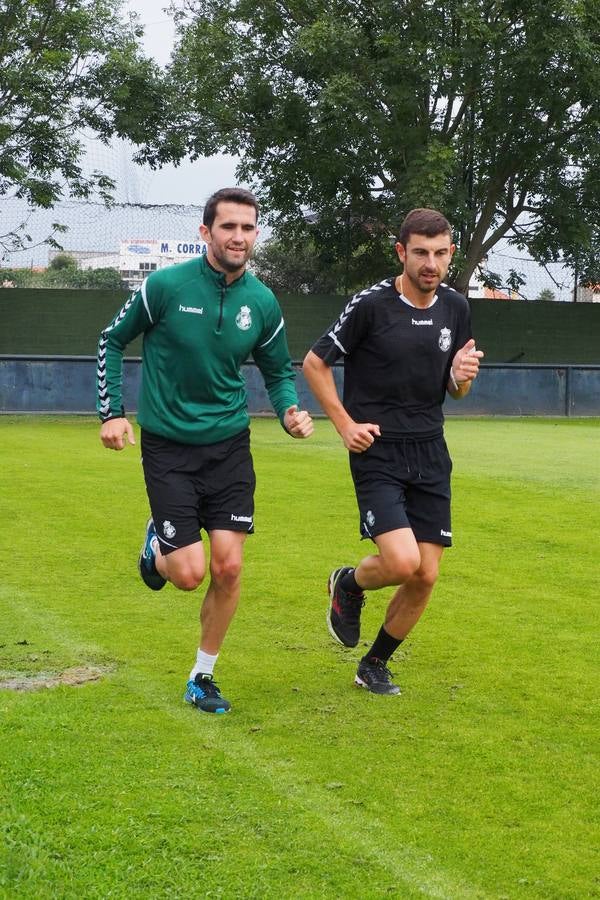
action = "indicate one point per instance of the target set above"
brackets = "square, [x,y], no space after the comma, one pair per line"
[145,299]
[275,333]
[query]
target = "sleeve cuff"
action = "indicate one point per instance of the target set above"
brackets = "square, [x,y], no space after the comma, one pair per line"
[120,415]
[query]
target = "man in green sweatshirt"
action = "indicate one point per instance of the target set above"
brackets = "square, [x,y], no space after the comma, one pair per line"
[201,320]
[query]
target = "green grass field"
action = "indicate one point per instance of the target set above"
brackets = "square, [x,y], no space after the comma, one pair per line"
[479,781]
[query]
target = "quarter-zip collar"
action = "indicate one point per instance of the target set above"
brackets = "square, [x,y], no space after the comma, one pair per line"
[219,277]
[221,284]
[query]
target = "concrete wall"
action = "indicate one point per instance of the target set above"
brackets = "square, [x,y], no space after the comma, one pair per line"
[45,384]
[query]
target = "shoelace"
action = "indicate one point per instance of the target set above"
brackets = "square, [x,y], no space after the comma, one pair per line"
[353,606]
[382,673]
[210,687]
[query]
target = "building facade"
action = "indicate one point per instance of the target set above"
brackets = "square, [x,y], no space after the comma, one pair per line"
[139,257]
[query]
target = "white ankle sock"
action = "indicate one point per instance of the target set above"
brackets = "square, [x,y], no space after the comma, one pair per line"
[205,663]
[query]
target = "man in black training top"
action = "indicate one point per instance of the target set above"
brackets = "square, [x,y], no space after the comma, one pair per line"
[201,320]
[404,343]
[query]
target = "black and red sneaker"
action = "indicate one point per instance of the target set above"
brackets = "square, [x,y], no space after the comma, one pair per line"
[343,614]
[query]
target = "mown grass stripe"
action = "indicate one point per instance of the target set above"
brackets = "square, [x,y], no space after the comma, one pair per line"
[405,865]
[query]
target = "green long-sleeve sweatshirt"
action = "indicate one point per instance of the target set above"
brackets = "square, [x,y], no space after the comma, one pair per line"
[198,331]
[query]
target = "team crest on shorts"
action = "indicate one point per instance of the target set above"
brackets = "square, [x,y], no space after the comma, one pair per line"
[370,518]
[445,339]
[169,530]
[243,320]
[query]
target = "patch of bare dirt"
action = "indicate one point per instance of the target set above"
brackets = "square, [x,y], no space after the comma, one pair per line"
[74,676]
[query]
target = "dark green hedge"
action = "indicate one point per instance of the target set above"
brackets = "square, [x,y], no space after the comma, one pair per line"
[69,322]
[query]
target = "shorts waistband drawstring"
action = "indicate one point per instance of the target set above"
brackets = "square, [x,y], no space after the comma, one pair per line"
[415,444]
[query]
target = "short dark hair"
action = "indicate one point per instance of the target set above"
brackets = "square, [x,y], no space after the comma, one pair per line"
[429,222]
[227,195]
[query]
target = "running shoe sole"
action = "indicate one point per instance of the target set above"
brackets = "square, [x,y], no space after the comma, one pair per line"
[154,581]
[331,581]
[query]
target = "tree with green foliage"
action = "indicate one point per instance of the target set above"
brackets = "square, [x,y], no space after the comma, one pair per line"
[67,66]
[62,261]
[63,272]
[546,295]
[107,279]
[297,264]
[104,279]
[358,110]
[294,269]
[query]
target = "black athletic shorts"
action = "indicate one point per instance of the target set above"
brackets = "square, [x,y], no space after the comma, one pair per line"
[404,483]
[192,487]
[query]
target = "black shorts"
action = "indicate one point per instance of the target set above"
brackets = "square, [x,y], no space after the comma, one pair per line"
[192,487]
[402,484]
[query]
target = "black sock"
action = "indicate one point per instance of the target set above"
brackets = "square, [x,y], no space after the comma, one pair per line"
[348,583]
[383,646]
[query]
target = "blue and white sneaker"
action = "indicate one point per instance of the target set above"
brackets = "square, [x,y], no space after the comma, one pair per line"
[203,693]
[147,560]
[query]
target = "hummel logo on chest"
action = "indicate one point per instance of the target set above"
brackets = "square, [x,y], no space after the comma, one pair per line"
[422,321]
[199,310]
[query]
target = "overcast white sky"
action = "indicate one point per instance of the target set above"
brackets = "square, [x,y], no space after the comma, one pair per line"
[189,182]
